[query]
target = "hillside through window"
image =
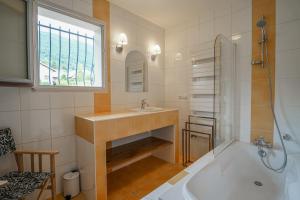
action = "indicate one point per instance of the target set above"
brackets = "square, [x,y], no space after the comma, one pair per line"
[69,50]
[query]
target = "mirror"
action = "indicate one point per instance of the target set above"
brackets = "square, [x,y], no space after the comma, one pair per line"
[136,72]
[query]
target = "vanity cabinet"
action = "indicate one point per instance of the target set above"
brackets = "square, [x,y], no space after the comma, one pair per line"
[96,156]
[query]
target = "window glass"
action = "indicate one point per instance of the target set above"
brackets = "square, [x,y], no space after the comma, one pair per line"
[70,51]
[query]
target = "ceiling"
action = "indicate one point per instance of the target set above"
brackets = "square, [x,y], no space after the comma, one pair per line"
[165,13]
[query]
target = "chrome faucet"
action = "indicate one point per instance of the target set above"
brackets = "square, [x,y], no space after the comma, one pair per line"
[260,142]
[144,104]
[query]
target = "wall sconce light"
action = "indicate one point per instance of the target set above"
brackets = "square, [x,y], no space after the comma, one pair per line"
[236,37]
[122,41]
[155,52]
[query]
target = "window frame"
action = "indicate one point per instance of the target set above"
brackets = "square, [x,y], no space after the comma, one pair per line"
[64,11]
[29,81]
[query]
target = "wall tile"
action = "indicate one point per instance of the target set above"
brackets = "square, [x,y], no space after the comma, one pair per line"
[193,35]
[287,10]
[222,25]
[241,21]
[66,147]
[83,6]
[85,99]
[10,99]
[288,92]
[237,5]
[206,32]
[61,100]
[44,145]
[65,3]
[62,122]
[13,121]
[244,92]
[117,71]
[221,8]
[206,14]
[287,64]
[118,94]
[244,45]
[243,68]
[34,100]
[287,36]
[35,125]
[84,110]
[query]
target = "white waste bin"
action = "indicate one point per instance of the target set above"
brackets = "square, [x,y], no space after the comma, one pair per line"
[71,184]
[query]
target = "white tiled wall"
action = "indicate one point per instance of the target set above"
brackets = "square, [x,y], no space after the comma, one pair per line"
[194,39]
[288,70]
[45,120]
[141,36]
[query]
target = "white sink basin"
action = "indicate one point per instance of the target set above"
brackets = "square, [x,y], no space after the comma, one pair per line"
[148,109]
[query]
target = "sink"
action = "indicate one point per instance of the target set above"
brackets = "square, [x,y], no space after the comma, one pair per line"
[148,109]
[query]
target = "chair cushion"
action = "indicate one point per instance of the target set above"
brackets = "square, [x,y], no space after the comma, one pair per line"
[7,143]
[21,183]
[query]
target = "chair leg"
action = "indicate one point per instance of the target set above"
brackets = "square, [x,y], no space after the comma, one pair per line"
[53,187]
[45,184]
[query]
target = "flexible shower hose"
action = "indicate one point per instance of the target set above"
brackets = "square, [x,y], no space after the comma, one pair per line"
[268,165]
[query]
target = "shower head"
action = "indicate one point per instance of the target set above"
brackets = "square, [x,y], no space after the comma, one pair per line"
[261,23]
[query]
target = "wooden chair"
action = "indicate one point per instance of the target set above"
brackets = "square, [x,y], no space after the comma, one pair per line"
[21,183]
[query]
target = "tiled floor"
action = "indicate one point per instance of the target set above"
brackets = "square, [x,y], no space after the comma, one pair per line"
[137,180]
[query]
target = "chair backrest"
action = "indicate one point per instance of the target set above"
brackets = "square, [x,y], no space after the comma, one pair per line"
[7,143]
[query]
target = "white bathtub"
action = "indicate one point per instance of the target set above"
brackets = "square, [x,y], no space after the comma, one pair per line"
[232,174]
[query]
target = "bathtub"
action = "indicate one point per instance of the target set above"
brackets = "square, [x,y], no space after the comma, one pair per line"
[238,174]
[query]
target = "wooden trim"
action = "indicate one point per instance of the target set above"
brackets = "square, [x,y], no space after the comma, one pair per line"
[19,160]
[102,101]
[84,129]
[262,122]
[36,152]
[32,162]
[44,186]
[53,177]
[40,163]
[178,177]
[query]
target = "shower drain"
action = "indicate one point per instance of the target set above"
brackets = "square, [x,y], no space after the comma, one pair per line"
[258,183]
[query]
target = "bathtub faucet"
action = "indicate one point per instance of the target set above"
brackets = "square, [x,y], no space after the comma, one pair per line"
[260,142]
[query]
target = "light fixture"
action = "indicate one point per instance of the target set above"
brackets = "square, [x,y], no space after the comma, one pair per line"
[236,37]
[178,56]
[155,51]
[122,41]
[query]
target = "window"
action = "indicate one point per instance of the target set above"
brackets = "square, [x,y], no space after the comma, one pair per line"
[15,50]
[70,50]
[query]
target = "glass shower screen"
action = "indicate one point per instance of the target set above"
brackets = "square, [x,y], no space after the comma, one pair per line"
[224,83]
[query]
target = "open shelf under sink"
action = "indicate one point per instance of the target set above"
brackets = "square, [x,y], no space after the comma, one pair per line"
[121,156]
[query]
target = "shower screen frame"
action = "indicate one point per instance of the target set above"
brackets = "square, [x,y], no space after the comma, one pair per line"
[224,99]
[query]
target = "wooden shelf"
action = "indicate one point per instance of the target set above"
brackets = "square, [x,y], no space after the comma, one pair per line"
[121,156]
